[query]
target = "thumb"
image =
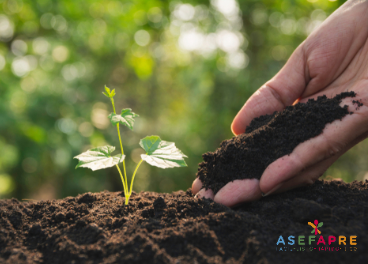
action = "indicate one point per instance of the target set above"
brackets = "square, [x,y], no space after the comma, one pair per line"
[282,90]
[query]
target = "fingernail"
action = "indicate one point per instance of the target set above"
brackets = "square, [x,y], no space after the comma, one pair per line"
[203,193]
[198,195]
[272,190]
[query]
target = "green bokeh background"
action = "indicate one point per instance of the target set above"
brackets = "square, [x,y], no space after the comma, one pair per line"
[185,67]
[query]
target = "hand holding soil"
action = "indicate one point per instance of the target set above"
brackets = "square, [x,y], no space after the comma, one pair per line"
[332,60]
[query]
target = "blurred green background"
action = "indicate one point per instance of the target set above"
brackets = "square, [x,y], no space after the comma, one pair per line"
[185,67]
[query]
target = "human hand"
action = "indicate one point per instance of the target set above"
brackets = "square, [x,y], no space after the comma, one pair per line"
[332,60]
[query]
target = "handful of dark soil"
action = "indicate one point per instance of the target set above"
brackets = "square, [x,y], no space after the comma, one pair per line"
[268,138]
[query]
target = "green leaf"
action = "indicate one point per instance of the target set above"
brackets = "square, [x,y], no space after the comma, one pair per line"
[126,118]
[320,224]
[107,89]
[150,144]
[99,158]
[312,231]
[109,93]
[161,153]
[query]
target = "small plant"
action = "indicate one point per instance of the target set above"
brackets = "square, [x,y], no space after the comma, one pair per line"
[159,153]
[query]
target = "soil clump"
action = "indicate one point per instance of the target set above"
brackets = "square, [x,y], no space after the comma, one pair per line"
[268,138]
[178,228]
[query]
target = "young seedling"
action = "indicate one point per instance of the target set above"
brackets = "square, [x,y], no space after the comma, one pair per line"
[159,153]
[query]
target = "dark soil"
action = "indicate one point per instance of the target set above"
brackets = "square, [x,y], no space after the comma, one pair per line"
[178,228]
[268,138]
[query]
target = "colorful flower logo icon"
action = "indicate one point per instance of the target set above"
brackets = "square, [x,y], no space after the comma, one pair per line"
[315,226]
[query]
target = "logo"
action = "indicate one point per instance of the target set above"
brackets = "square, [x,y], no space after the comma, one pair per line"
[317,241]
[315,226]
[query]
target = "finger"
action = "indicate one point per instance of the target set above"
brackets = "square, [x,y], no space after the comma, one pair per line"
[196,186]
[307,177]
[238,191]
[281,91]
[311,174]
[205,194]
[337,137]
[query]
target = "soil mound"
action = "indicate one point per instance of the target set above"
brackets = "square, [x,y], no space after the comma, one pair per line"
[178,228]
[268,138]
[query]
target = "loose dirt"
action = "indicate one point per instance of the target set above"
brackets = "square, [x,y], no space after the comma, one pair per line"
[178,228]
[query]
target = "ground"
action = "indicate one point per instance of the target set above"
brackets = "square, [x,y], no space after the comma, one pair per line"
[178,228]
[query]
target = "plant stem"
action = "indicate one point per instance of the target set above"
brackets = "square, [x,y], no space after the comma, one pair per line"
[127,199]
[135,171]
[122,179]
[131,183]
[122,153]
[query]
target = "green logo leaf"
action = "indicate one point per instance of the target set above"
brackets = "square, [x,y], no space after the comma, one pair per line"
[161,153]
[320,224]
[99,158]
[126,118]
